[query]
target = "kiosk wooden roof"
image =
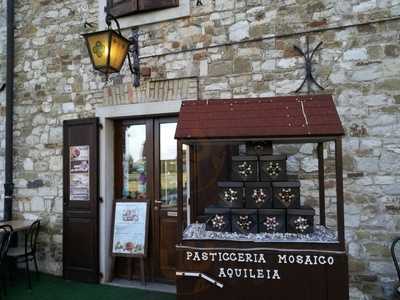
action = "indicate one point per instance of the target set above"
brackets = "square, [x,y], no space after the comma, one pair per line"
[276,118]
[290,119]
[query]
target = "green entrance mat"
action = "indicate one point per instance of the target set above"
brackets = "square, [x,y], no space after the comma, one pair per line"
[55,288]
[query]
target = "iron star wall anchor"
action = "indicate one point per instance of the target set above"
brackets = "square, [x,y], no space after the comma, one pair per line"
[308,59]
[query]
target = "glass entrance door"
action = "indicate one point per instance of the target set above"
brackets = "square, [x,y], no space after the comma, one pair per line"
[146,168]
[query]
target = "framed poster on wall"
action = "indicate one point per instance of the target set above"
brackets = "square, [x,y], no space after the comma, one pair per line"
[130,228]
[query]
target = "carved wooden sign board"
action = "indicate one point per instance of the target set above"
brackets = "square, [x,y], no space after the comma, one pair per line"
[251,274]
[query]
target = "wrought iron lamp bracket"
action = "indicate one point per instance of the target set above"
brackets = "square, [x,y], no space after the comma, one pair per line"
[308,59]
[134,55]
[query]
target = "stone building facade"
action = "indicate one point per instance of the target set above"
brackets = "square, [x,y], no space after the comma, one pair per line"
[234,49]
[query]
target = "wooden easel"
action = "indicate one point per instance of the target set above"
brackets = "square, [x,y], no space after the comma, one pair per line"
[130,265]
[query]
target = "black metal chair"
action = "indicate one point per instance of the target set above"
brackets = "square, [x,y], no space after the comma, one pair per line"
[5,238]
[28,253]
[396,262]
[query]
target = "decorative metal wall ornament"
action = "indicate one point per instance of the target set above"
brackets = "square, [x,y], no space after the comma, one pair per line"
[308,58]
[135,54]
[87,25]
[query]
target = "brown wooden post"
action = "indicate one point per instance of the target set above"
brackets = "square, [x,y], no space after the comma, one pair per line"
[111,276]
[142,271]
[339,191]
[130,268]
[321,183]
[180,191]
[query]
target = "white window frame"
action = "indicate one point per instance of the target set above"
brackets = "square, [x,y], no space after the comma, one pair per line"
[183,10]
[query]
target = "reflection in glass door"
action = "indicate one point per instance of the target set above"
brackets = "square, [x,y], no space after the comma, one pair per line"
[134,163]
[168,166]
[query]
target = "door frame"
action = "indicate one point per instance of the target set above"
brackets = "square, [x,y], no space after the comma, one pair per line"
[107,115]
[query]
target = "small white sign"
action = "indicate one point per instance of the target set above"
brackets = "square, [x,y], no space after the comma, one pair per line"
[130,225]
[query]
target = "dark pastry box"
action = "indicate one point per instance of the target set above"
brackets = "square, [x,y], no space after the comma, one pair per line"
[300,220]
[258,194]
[286,194]
[230,194]
[218,219]
[244,221]
[259,148]
[244,168]
[273,167]
[272,220]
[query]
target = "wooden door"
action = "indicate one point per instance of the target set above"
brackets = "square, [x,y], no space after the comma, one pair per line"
[81,201]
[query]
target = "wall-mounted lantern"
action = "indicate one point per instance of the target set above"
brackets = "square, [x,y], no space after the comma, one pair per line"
[109,48]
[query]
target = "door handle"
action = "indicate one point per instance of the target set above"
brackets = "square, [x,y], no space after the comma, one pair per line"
[157,202]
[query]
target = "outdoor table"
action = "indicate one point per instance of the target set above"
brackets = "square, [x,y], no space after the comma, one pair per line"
[18,225]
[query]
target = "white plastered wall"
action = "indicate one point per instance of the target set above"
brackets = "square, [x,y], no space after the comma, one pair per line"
[107,114]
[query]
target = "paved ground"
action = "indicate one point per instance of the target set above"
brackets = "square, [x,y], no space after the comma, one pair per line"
[54,288]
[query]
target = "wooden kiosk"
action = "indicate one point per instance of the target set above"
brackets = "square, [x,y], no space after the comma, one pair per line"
[232,266]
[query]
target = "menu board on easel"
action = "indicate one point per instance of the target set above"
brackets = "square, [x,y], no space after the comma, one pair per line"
[130,228]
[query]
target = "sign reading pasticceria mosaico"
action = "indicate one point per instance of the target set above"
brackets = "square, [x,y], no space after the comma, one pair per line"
[262,262]
[213,273]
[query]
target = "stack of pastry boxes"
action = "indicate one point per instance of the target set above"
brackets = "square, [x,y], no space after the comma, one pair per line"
[261,198]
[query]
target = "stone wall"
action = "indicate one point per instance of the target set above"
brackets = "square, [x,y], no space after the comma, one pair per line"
[359,64]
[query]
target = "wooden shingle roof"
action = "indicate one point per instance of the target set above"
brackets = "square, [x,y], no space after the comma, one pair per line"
[277,117]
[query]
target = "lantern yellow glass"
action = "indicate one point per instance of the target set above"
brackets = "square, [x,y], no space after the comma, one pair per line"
[107,50]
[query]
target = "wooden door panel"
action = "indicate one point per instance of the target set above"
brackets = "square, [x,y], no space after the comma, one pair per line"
[77,239]
[168,240]
[80,222]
